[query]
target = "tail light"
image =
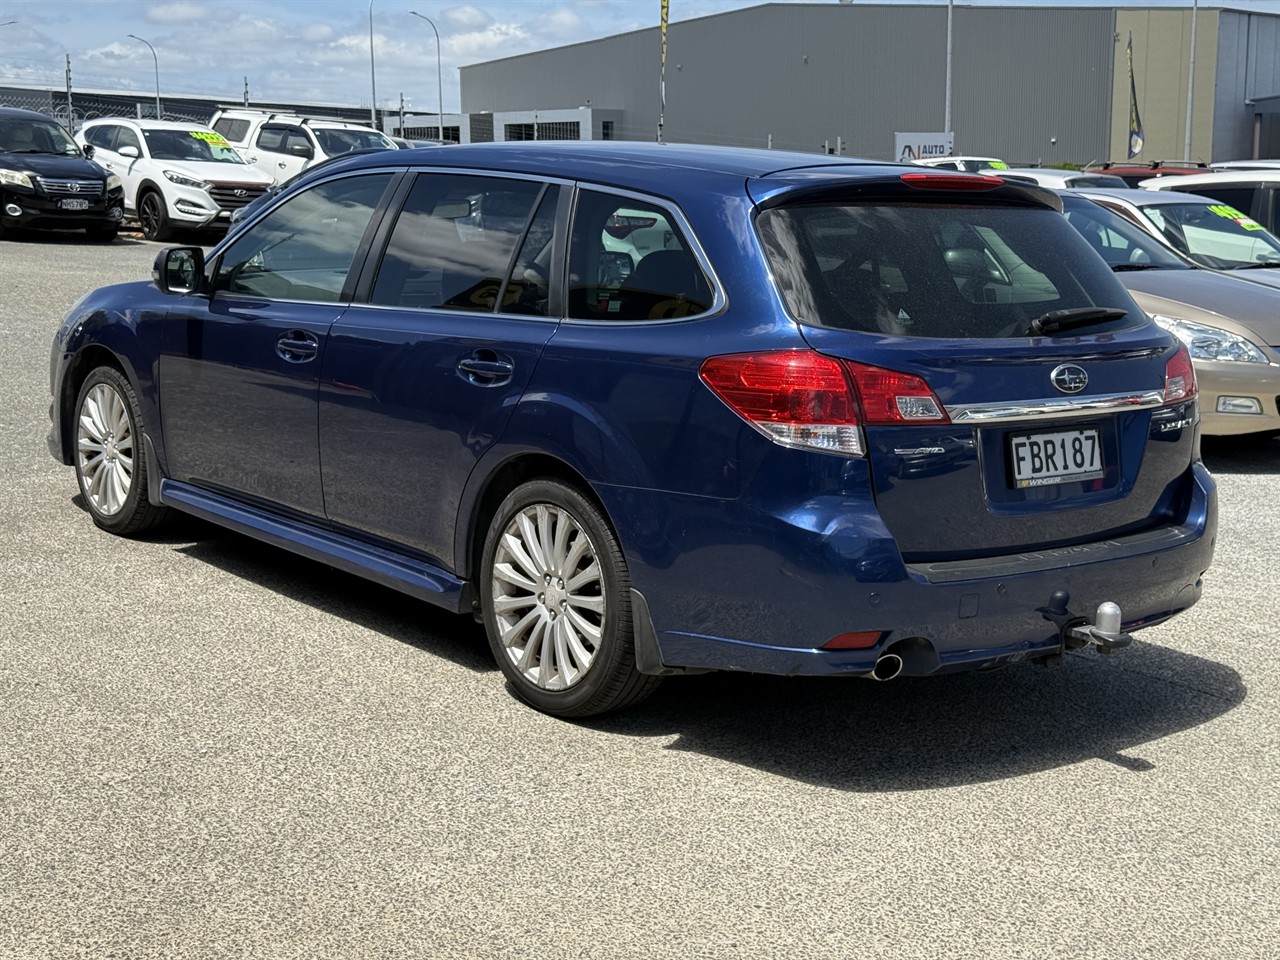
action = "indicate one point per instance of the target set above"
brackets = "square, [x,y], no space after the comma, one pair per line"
[1179,376]
[804,399]
[620,226]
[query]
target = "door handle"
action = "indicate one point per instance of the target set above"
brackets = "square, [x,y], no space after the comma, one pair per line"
[485,368]
[298,346]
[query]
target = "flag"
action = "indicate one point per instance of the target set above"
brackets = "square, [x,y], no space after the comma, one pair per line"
[1135,121]
[662,75]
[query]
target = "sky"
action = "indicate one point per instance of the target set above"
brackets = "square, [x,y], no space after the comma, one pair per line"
[317,51]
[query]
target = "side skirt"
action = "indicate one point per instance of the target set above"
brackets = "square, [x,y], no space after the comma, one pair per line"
[418,579]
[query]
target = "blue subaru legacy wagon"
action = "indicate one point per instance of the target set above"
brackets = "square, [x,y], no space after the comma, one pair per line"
[649,409]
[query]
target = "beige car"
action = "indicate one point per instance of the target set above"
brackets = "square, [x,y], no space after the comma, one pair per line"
[1230,326]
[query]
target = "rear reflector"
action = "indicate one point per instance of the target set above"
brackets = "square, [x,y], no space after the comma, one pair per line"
[854,641]
[1179,376]
[951,181]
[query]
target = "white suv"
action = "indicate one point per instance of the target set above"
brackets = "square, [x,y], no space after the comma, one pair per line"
[174,174]
[283,145]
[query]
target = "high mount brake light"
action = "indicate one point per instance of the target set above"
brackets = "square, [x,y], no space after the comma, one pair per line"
[1179,377]
[951,181]
[804,399]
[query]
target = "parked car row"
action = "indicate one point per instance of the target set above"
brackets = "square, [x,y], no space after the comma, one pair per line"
[168,175]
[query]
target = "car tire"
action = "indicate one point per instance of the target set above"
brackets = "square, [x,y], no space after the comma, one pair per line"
[556,601]
[103,234]
[153,216]
[111,457]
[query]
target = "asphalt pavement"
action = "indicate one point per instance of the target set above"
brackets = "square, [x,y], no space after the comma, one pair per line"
[212,749]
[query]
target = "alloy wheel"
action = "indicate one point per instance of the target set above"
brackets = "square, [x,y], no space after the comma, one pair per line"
[548,596]
[104,449]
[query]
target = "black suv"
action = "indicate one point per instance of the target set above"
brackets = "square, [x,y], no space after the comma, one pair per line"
[46,182]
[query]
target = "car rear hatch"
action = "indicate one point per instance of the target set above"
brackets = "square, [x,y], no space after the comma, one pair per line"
[1011,395]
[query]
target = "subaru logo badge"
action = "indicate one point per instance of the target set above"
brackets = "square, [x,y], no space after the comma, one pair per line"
[241,192]
[1069,378]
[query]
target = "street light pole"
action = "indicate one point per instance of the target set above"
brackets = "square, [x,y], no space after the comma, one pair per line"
[156,60]
[946,120]
[439,82]
[373,77]
[1191,79]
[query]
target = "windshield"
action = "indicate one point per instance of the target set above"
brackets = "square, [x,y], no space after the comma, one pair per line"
[1214,235]
[1124,245]
[21,135]
[344,141]
[204,146]
[935,270]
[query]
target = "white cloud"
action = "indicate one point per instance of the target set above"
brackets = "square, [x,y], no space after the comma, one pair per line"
[499,40]
[178,12]
[466,18]
[318,32]
[561,22]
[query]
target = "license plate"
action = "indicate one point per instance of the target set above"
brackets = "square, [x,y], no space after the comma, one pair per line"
[74,204]
[1041,459]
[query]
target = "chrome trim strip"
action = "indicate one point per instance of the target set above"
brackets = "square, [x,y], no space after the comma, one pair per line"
[1053,407]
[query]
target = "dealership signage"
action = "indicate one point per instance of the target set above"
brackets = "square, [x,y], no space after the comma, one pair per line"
[922,146]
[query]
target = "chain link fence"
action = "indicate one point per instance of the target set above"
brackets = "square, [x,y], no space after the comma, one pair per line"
[90,106]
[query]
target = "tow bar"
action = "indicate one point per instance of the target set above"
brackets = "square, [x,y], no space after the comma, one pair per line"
[1104,632]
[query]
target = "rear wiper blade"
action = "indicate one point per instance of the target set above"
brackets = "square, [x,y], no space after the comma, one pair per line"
[1056,320]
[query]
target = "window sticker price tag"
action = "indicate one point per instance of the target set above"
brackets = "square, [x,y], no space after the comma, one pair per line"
[1231,213]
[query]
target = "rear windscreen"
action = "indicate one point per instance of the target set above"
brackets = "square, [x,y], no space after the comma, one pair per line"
[935,270]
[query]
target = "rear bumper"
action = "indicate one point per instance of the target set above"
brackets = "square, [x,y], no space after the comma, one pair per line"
[769,606]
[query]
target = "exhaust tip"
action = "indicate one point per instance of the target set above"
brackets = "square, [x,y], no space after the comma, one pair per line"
[887,667]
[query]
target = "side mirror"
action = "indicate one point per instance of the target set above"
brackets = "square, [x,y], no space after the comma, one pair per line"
[179,270]
[87,150]
[129,152]
[301,150]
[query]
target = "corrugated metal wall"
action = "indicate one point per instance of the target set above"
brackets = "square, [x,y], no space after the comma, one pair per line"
[1248,67]
[1028,84]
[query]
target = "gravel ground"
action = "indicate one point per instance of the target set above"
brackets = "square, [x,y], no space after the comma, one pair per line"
[212,749]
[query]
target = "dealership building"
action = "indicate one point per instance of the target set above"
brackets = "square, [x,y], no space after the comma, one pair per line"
[1028,84]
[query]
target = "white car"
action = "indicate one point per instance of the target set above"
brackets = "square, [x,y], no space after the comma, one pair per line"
[1255,192]
[1246,165]
[283,145]
[174,174]
[966,164]
[1059,179]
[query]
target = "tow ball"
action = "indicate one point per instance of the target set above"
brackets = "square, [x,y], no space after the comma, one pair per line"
[1104,632]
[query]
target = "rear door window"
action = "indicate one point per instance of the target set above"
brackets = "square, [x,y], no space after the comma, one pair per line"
[934,270]
[455,242]
[629,261]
